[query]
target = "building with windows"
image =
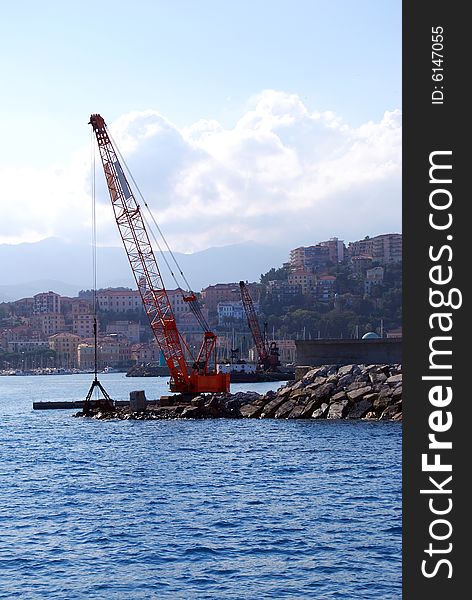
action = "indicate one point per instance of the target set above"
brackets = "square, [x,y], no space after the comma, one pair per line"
[304,278]
[82,318]
[336,249]
[27,345]
[385,248]
[309,257]
[178,304]
[145,353]
[360,264]
[86,355]
[221,292]
[325,288]
[119,300]
[114,351]
[65,346]
[23,307]
[283,291]
[233,311]
[46,302]
[374,277]
[297,258]
[126,329]
[49,323]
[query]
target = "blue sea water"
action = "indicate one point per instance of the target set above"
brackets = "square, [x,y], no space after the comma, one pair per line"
[213,509]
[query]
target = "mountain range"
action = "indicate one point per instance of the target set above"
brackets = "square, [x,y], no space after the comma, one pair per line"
[66,268]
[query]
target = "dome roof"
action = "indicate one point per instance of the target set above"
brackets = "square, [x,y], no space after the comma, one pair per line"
[370,335]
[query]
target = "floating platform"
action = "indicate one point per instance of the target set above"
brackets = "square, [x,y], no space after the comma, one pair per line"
[56,405]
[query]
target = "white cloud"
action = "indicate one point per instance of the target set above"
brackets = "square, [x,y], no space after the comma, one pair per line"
[283,174]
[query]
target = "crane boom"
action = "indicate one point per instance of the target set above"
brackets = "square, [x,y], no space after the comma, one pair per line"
[253,322]
[200,377]
[268,357]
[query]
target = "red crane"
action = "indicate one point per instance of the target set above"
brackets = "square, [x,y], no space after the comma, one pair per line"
[268,355]
[201,376]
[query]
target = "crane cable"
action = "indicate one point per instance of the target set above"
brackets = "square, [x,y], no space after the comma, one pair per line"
[194,305]
[106,403]
[94,255]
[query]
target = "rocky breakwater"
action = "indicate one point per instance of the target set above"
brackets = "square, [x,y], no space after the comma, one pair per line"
[328,392]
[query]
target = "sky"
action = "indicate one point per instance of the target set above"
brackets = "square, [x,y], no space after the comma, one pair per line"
[270,121]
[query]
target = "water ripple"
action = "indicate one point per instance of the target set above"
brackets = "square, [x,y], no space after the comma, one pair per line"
[196,509]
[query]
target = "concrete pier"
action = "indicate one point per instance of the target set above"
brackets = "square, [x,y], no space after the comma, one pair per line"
[55,405]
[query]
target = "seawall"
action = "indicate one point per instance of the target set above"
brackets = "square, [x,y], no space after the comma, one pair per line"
[347,352]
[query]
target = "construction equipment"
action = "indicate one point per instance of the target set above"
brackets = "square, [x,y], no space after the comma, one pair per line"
[268,354]
[200,375]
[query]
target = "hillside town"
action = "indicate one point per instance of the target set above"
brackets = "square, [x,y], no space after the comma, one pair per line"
[326,290]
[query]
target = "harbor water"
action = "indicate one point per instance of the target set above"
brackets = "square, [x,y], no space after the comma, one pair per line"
[182,509]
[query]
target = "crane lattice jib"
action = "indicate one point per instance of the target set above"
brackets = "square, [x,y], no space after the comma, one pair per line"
[141,256]
[253,322]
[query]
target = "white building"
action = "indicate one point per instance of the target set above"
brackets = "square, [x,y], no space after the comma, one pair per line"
[233,311]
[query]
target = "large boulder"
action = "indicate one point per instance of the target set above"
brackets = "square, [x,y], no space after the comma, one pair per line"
[323,391]
[191,412]
[270,408]
[345,380]
[357,394]
[316,382]
[345,370]
[394,379]
[391,412]
[320,412]
[355,385]
[251,411]
[337,410]
[285,409]
[338,396]
[397,393]
[359,409]
[297,412]
[310,375]
[297,394]
[309,407]
[377,377]
[283,391]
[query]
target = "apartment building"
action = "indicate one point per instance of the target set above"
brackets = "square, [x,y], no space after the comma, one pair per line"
[65,346]
[325,288]
[309,257]
[119,300]
[126,329]
[49,323]
[336,249]
[221,292]
[374,277]
[82,318]
[303,278]
[46,302]
[385,248]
